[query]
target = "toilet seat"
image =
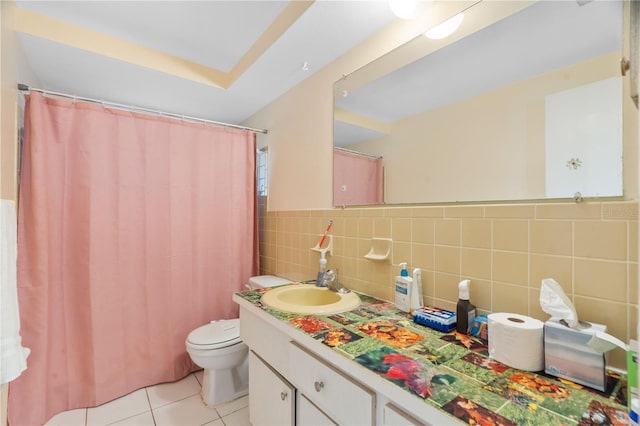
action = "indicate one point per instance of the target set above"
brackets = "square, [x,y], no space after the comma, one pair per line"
[216,335]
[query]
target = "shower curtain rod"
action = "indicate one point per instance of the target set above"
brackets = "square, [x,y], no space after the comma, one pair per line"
[350,151]
[107,104]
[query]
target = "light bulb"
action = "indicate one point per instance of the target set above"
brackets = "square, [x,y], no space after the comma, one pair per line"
[446,28]
[404,9]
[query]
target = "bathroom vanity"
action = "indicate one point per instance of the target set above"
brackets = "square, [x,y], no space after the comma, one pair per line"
[373,366]
[293,379]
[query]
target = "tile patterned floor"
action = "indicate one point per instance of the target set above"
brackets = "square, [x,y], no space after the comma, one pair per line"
[167,404]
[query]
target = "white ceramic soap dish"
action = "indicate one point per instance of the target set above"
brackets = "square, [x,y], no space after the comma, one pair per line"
[380,249]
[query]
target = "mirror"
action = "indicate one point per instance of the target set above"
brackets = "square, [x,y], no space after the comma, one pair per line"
[523,102]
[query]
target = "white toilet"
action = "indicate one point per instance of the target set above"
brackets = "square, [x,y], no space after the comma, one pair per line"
[217,348]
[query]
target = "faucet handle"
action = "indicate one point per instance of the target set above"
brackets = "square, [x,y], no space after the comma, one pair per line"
[332,282]
[328,278]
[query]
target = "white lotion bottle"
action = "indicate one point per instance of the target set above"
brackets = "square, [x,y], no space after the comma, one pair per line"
[403,289]
[416,290]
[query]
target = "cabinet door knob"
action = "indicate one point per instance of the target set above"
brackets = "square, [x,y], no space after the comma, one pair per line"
[318,385]
[283,395]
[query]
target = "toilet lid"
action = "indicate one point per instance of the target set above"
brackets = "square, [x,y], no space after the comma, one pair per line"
[218,333]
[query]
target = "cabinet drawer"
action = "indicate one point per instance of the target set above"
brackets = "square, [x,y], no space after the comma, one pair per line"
[330,389]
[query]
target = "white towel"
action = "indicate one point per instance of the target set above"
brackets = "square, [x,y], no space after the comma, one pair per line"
[13,356]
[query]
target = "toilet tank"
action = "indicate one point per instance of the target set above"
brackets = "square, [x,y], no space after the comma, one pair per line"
[262,281]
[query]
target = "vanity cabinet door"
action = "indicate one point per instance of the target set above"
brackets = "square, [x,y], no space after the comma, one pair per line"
[332,391]
[393,416]
[271,397]
[309,415]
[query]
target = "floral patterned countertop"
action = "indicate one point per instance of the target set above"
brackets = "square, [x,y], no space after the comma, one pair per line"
[452,371]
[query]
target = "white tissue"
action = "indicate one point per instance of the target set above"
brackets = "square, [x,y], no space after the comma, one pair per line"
[555,302]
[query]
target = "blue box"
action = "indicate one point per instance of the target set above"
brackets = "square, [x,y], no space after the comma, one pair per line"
[436,318]
[480,327]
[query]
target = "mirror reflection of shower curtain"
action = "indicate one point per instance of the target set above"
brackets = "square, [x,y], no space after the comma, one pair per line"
[133,230]
[357,179]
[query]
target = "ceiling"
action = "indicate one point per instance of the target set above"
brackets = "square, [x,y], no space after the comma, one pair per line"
[218,60]
[226,60]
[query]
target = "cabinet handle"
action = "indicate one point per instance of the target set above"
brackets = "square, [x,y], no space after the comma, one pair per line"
[318,385]
[283,395]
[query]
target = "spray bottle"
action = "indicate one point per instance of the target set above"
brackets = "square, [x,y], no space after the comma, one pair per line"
[465,311]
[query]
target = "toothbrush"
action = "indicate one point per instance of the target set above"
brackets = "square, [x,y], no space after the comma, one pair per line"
[326,231]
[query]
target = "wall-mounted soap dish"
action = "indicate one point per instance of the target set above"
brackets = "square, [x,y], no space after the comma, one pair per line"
[327,246]
[380,249]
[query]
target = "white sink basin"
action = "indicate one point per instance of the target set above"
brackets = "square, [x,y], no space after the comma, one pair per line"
[309,299]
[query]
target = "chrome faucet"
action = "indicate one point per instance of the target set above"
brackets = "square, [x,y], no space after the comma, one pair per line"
[330,280]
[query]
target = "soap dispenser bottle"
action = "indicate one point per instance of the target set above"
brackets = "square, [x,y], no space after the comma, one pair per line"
[403,289]
[322,268]
[465,311]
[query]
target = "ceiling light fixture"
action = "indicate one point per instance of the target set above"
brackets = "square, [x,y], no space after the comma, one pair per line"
[405,9]
[446,28]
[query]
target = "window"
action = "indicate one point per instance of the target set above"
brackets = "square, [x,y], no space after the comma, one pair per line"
[262,157]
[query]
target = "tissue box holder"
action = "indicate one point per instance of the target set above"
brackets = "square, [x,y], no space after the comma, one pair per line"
[567,355]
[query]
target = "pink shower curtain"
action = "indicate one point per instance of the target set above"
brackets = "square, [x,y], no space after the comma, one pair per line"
[133,231]
[357,179]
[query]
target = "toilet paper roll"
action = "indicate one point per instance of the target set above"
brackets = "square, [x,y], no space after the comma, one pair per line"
[517,341]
